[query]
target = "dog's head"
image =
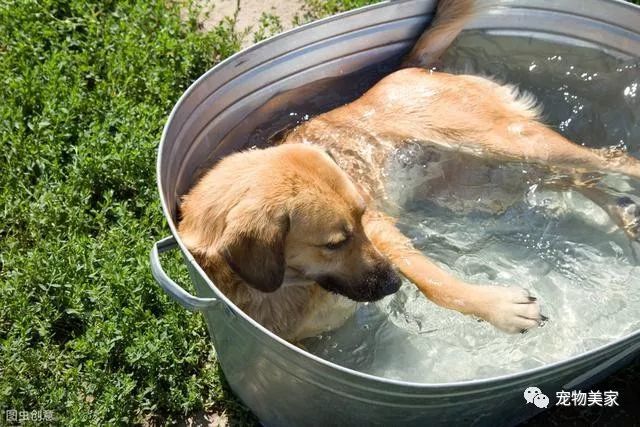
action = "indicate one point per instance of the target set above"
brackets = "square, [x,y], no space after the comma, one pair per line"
[288,207]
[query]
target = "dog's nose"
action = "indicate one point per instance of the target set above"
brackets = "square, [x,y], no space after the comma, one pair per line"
[390,282]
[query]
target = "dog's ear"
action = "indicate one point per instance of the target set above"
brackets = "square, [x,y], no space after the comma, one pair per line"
[253,245]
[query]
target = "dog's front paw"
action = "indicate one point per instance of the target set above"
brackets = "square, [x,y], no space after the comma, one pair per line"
[510,309]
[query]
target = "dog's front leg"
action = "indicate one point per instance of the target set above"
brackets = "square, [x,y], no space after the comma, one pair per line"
[510,309]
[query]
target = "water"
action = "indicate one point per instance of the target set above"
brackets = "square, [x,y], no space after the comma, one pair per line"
[508,231]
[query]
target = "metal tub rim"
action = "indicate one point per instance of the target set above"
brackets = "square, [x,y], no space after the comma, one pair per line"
[264,334]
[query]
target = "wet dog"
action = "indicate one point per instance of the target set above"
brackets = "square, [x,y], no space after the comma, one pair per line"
[293,234]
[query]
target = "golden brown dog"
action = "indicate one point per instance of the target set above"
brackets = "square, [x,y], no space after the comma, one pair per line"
[292,234]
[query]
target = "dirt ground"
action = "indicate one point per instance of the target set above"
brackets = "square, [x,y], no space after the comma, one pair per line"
[249,12]
[206,420]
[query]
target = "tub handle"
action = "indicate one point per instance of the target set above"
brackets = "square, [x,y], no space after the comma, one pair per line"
[174,290]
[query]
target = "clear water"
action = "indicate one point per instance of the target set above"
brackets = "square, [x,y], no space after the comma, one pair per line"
[560,246]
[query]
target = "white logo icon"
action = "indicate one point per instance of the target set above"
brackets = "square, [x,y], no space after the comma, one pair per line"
[534,395]
[530,393]
[541,400]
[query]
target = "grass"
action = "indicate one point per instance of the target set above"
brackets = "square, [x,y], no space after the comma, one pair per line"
[316,9]
[84,330]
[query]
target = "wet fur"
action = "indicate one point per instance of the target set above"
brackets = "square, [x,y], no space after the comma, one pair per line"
[257,220]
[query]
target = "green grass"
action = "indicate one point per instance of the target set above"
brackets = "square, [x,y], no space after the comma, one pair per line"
[84,330]
[316,9]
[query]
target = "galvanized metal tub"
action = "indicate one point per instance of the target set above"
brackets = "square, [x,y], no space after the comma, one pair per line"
[281,383]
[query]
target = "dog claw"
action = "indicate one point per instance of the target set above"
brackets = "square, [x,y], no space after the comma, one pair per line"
[511,309]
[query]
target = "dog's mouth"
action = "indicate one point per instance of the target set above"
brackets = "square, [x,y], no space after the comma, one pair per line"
[373,287]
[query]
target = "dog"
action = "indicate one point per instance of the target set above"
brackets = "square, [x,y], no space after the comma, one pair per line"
[295,236]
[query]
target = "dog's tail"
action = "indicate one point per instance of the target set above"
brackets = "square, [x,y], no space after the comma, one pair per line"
[451,16]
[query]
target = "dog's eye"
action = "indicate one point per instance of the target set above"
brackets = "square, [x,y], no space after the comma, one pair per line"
[335,245]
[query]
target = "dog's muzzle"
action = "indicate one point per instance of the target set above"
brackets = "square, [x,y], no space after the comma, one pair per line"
[376,284]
